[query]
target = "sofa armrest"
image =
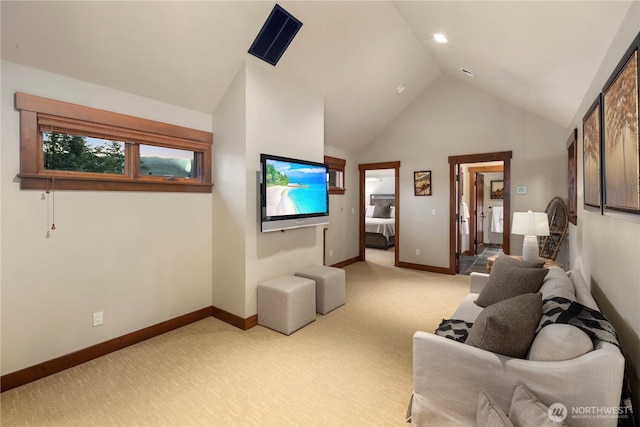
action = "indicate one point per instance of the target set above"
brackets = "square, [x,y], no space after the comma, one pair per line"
[449,375]
[477,282]
[582,290]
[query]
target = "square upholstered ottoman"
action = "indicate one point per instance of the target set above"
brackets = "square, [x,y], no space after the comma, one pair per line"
[330,286]
[286,303]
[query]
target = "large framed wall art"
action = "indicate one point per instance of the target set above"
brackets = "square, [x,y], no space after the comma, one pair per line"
[591,135]
[621,143]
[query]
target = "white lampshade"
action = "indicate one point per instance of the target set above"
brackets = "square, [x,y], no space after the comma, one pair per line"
[530,224]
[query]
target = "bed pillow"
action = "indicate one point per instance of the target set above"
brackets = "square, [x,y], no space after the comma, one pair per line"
[392,212]
[381,211]
[559,341]
[507,327]
[369,211]
[489,413]
[528,411]
[507,281]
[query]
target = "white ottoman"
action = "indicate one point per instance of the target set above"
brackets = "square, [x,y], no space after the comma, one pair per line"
[330,287]
[286,303]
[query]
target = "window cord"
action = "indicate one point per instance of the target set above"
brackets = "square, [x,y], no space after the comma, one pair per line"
[53,203]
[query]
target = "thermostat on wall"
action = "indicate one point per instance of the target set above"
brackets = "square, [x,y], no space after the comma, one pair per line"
[521,189]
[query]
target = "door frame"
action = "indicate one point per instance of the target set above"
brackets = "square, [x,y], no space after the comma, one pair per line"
[472,174]
[363,168]
[477,192]
[454,228]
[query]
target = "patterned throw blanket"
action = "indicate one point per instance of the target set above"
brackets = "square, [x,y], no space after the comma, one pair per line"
[454,329]
[562,310]
[592,322]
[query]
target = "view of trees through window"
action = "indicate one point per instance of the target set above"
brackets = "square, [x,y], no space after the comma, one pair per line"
[66,152]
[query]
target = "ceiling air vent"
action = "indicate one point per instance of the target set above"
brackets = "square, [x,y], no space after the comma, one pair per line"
[467,72]
[275,35]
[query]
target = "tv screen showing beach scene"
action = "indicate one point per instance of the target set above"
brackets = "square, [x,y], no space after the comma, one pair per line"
[294,188]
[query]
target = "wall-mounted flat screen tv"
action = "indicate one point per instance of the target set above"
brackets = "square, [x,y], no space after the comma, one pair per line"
[294,193]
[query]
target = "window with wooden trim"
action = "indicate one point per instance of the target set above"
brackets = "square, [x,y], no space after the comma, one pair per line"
[81,148]
[336,174]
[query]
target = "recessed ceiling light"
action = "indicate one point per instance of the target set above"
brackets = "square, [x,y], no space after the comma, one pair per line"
[467,72]
[400,89]
[440,38]
[19,47]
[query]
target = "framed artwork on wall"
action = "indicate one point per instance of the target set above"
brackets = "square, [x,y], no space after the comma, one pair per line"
[591,136]
[422,183]
[621,134]
[572,173]
[497,189]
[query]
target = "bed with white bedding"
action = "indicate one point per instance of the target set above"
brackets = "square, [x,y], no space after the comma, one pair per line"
[379,222]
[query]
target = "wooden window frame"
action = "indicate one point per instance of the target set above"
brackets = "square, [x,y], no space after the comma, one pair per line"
[337,165]
[37,113]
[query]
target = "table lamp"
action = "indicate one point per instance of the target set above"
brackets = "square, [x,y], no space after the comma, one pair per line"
[531,225]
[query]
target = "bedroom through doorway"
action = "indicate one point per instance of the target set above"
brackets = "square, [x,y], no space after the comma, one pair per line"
[379,208]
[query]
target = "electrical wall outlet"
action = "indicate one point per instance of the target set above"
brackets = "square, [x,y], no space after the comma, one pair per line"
[417,252]
[330,252]
[98,318]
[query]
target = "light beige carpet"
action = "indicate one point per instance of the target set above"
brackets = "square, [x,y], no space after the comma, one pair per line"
[350,367]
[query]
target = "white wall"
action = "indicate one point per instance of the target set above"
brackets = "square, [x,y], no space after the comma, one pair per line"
[140,257]
[343,233]
[229,201]
[606,248]
[279,117]
[287,119]
[453,118]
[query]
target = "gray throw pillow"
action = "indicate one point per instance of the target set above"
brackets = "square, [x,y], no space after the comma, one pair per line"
[489,413]
[382,211]
[507,281]
[528,411]
[508,327]
[517,262]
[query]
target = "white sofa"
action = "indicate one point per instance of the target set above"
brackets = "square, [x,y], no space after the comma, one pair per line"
[449,375]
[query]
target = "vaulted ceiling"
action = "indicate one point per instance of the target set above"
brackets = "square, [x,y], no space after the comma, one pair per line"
[539,55]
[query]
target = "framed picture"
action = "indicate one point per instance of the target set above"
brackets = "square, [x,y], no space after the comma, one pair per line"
[422,181]
[591,144]
[620,130]
[572,173]
[497,189]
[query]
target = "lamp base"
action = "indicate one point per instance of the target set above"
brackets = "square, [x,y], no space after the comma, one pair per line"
[530,248]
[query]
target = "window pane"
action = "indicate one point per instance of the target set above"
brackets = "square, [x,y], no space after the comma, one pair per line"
[335,178]
[159,161]
[67,152]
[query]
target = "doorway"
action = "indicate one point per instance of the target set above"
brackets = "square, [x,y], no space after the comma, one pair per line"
[481,178]
[482,210]
[387,198]
[477,215]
